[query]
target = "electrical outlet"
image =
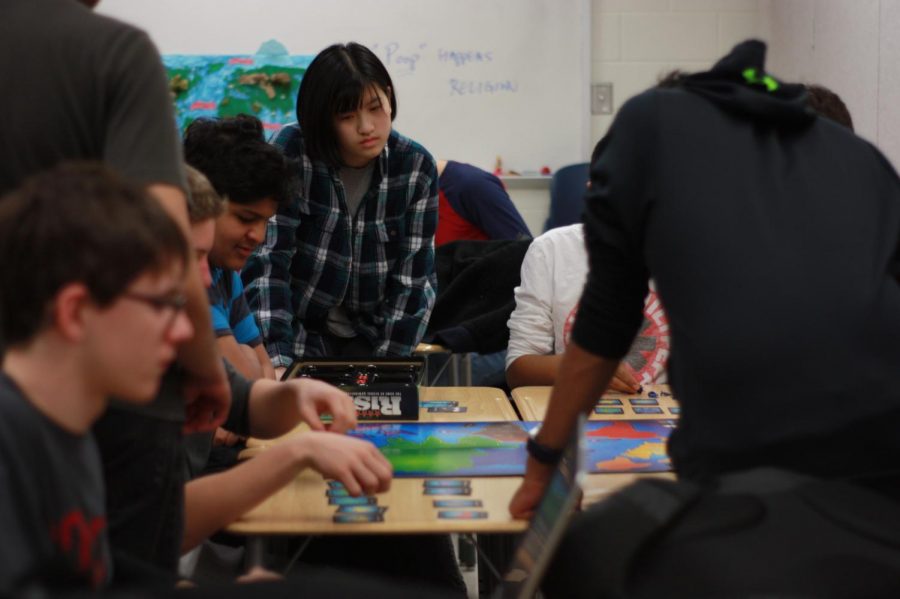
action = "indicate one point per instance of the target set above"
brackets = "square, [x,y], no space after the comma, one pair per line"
[602,98]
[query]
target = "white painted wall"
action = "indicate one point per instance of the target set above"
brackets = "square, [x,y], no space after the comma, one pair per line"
[850,46]
[635,41]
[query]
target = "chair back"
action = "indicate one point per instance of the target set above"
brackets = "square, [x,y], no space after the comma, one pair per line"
[567,190]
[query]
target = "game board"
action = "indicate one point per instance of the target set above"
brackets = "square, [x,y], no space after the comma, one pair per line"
[436,449]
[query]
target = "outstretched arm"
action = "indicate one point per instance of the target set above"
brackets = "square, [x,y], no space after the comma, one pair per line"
[213,502]
[582,379]
[276,407]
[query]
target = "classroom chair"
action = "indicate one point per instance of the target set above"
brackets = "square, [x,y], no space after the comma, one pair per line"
[567,195]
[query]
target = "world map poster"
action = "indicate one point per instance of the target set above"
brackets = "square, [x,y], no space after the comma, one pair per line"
[435,449]
[264,85]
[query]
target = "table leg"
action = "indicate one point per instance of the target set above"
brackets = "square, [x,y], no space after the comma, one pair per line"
[255,553]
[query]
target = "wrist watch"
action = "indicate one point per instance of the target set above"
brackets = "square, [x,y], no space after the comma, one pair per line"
[541,453]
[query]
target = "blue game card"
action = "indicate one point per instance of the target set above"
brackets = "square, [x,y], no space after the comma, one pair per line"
[364,500]
[345,518]
[438,404]
[608,401]
[462,515]
[639,401]
[457,503]
[448,491]
[648,410]
[446,482]
[362,509]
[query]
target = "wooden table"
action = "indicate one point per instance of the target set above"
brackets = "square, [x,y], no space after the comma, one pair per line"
[301,508]
[532,403]
[483,404]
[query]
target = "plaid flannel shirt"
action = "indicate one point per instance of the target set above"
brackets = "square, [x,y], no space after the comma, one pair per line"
[378,266]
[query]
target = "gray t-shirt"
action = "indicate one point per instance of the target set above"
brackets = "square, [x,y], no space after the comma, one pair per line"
[52,507]
[87,87]
[356,183]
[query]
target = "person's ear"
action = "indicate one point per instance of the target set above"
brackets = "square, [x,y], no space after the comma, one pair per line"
[69,311]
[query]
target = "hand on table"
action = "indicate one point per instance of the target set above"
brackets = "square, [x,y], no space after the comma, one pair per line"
[528,495]
[356,463]
[624,380]
[315,398]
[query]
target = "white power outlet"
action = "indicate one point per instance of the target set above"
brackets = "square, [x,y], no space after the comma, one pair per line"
[602,98]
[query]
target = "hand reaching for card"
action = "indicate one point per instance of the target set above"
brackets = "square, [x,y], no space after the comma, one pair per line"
[356,463]
[315,398]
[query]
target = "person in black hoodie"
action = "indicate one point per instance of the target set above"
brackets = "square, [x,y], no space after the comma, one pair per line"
[773,239]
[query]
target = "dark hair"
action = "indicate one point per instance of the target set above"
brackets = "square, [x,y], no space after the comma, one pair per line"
[828,104]
[334,83]
[233,154]
[203,201]
[672,79]
[78,222]
[598,148]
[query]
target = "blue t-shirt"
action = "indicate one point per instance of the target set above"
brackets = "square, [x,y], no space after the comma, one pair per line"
[230,313]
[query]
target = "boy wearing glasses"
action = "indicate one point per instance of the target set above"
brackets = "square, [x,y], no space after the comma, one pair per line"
[92,274]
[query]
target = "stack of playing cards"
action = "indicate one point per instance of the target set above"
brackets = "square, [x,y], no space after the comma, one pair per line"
[353,510]
[451,486]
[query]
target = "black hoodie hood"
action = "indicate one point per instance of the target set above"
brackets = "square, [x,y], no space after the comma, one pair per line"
[739,84]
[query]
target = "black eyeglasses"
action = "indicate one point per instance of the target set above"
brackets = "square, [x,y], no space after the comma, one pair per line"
[175,303]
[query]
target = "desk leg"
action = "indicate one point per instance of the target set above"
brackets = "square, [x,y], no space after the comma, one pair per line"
[467,372]
[256,553]
[495,552]
[454,369]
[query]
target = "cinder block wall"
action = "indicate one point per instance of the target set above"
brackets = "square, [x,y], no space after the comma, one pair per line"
[634,41]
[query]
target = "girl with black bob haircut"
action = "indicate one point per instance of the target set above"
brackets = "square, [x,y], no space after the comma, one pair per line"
[335,83]
[349,267]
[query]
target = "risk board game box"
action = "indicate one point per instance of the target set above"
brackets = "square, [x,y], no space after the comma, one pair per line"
[381,388]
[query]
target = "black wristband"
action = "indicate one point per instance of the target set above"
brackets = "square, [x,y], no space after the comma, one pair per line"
[542,453]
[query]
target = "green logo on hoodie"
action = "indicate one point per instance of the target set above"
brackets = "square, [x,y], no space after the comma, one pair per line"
[752,77]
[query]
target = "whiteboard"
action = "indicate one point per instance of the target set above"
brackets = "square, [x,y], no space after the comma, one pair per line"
[475,79]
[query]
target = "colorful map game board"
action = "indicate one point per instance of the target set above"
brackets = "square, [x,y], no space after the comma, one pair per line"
[474,449]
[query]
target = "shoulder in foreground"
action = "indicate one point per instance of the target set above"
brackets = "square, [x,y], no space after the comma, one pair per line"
[73,24]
